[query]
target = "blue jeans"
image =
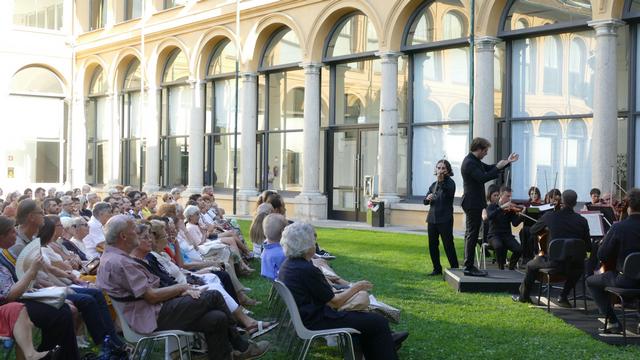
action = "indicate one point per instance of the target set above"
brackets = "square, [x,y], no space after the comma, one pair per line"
[95,313]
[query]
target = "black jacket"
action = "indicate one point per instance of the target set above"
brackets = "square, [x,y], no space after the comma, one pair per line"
[441,210]
[474,174]
[564,224]
[500,221]
[622,239]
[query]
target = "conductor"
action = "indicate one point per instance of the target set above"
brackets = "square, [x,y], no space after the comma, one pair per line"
[475,174]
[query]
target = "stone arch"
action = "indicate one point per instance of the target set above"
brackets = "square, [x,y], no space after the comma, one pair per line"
[205,44]
[399,18]
[328,18]
[159,57]
[86,72]
[260,34]
[607,9]
[55,71]
[488,17]
[119,66]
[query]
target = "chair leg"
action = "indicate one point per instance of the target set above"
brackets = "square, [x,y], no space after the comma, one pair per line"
[305,349]
[548,278]
[539,292]
[349,347]
[624,321]
[584,290]
[575,305]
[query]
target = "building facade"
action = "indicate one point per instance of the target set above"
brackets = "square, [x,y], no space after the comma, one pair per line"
[336,100]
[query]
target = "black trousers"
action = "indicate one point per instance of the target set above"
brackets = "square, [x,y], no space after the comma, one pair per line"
[225,279]
[597,283]
[208,314]
[375,339]
[57,327]
[502,243]
[473,221]
[444,231]
[572,272]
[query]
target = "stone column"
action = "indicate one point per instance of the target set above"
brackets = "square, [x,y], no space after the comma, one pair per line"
[312,205]
[196,138]
[484,124]
[388,136]
[605,114]
[247,141]
[150,121]
[78,153]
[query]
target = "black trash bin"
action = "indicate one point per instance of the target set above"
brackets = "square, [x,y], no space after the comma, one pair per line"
[375,215]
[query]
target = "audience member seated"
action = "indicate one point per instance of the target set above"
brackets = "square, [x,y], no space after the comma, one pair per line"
[72,228]
[94,241]
[15,323]
[148,307]
[150,252]
[272,255]
[51,206]
[256,232]
[11,204]
[317,302]
[56,324]
[620,241]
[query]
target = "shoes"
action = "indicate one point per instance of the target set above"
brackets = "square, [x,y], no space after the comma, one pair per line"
[522,299]
[325,255]
[563,302]
[474,271]
[261,328]
[435,273]
[398,338]
[53,354]
[612,328]
[254,351]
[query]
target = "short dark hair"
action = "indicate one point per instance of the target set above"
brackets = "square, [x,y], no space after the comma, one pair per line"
[6,223]
[569,198]
[447,164]
[479,144]
[25,207]
[595,191]
[39,189]
[634,199]
[505,188]
[195,197]
[26,191]
[24,197]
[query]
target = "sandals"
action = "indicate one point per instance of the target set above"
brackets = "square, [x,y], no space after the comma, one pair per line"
[261,328]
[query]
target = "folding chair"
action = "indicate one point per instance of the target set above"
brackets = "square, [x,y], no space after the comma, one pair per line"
[630,270]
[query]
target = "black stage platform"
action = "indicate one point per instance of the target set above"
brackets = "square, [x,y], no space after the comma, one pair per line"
[495,281]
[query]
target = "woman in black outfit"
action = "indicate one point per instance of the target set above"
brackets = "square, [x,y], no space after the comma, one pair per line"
[440,216]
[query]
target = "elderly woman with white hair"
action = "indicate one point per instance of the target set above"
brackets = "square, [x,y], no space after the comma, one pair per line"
[317,302]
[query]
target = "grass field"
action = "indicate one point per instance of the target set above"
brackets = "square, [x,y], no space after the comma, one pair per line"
[443,324]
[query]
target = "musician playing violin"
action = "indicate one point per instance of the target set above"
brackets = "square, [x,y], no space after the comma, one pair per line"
[502,215]
[526,240]
[560,224]
[595,196]
[440,216]
[621,240]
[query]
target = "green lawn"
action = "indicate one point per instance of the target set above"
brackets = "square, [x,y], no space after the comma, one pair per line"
[443,324]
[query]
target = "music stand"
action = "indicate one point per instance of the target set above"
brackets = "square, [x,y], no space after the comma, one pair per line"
[594,219]
[607,212]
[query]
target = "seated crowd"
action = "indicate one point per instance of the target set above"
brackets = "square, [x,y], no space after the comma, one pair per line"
[169,267]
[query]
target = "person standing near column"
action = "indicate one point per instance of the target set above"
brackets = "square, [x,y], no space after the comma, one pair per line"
[440,216]
[475,174]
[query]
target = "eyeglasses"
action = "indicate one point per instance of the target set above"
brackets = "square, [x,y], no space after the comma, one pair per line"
[78,225]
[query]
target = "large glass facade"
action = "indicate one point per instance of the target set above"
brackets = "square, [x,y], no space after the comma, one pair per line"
[35,151]
[43,14]
[440,88]
[132,138]
[282,103]
[98,130]
[221,118]
[532,14]
[176,102]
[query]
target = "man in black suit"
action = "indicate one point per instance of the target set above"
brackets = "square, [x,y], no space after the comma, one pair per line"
[475,174]
[561,224]
[621,240]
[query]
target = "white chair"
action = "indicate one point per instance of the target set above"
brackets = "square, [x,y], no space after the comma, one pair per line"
[344,334]
[182,338]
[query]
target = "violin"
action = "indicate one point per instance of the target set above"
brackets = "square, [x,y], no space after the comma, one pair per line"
[513,208]
[543,242]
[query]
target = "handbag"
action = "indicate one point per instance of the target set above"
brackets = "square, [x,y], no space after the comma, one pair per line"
[358,302]
[52,296]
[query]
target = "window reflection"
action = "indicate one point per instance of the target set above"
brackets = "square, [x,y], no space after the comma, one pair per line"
[439,20]
[355,35]
[38,13]
[542,13]
[284,48]
[358,92]
[98,130]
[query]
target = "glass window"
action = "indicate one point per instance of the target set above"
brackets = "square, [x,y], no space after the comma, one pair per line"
[176,152]
[132,144]
[353,35]
[531,14]
[284,162]
[98,84]
[36,80]
[179,109]
[176,68]
[283,48]
[98,130]
[530,100]
[219,155]
[432,143]
[553,153]
[168,4]
[357,92]
[132,9]
[223,59]
[97,14]
[43,14]
[286,100]
[132,76]
[424,30]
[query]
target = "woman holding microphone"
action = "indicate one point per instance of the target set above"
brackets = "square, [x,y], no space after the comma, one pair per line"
[440,216]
